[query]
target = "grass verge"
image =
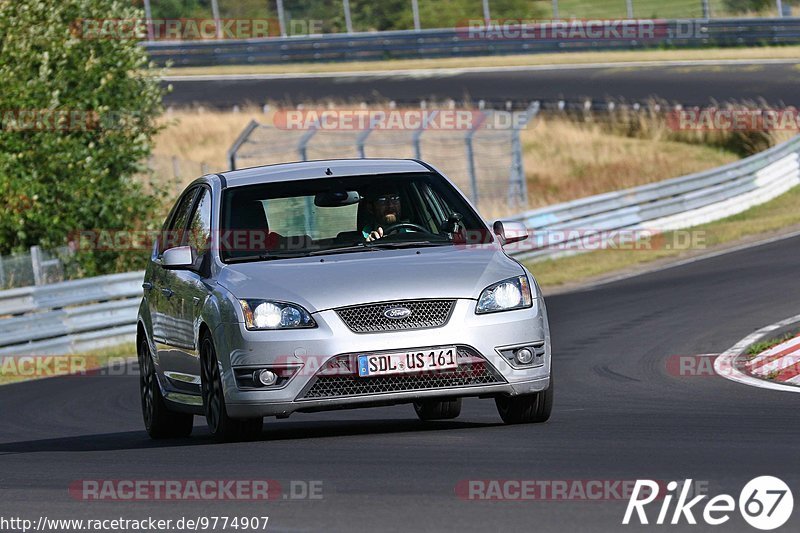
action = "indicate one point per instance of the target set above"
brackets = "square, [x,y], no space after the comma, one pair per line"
[517,60]
[765,345]
[771,216]
[14,369]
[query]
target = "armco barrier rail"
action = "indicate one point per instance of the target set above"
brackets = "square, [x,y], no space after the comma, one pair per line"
[456,42]
[71,316]
[97,312]
[666,205]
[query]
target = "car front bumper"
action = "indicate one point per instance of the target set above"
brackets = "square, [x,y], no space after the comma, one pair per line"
[484,336]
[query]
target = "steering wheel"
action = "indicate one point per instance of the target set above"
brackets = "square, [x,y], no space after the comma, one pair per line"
[394,228]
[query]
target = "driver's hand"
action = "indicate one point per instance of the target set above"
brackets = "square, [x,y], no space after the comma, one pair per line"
[375,235]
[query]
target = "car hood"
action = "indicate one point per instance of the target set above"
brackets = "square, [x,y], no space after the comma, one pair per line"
[330,281]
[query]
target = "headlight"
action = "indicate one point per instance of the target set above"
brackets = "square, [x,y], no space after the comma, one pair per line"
[512,293]
[265,314]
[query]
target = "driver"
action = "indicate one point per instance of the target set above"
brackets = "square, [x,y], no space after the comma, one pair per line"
[384,211]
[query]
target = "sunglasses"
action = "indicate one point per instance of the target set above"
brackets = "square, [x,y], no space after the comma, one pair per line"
[388,199]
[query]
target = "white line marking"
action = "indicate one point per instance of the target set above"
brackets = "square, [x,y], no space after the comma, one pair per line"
[724,364]
[446,72]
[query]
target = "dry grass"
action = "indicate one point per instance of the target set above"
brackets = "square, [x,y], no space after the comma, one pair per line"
[563,159]
[753,53]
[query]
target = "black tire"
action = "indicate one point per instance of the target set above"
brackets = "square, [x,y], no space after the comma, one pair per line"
[438,409]
[222,426]
[159,421]
[527,408]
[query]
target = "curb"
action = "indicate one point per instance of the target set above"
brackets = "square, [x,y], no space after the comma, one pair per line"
[732,363]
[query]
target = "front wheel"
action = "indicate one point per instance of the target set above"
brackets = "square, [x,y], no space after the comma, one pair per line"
[220,424]
[526,408]
[160,422]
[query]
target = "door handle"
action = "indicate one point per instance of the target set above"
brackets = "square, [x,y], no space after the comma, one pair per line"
[147,286]
[166,291]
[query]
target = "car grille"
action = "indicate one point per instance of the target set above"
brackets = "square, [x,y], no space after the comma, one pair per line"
[473,370]
[370,318]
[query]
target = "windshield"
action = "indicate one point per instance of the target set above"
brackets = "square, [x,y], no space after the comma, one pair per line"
[343,215]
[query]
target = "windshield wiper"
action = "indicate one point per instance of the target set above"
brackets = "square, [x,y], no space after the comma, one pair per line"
[359,247]
[407,244]
[289,254]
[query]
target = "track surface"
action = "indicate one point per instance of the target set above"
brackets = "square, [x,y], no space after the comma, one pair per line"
[774,83]
[618,415]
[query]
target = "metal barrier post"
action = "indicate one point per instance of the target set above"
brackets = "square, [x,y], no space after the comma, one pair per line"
[517,183]
[362,137]
[240,140]
[555,9]
[473,177]
[2,273]
[417,136]
[629,6]
[302,144]
[36,265]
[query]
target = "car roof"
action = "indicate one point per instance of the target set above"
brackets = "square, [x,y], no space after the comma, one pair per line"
[321,169]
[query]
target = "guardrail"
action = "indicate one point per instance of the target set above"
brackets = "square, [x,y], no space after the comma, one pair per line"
[455,42]
[96,312]
[70,316]
[671,204]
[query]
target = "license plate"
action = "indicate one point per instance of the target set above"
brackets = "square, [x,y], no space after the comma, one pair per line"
[407,362]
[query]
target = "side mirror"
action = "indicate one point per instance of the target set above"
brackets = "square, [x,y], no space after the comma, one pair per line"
[510,231]
[178,258]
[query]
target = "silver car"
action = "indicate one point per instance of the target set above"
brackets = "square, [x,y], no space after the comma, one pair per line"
[335,284]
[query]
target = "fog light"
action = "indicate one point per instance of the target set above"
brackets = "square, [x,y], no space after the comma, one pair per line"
[265,377]
[524,356]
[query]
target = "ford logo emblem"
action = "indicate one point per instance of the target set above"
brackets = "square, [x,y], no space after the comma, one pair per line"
[397,313]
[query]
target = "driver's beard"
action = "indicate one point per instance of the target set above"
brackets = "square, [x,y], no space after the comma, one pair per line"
[390,218]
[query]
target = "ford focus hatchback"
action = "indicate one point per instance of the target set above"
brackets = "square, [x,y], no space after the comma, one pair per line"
[336,284]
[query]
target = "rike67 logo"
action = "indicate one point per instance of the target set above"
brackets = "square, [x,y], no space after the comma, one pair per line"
[765,503]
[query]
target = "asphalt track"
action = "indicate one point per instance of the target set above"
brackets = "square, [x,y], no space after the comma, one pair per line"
[776,84]
[619,415]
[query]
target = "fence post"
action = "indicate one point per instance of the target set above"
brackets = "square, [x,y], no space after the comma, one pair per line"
[302,144]
[240,140]
[2,274]
[629,6]
[281,22]
[555,9]
[36,265]
[518,185]
[361,140]
[417,136]
[347,20]
[706,10]
[473,177]
[415,13]
[779,5]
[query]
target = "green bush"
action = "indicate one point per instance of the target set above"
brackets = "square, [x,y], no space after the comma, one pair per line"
[78,119]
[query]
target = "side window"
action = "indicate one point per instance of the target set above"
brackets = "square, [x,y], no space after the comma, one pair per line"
[173,232]
[200,228]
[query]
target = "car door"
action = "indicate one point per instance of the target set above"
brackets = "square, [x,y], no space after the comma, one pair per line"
[163,314]
[188,291]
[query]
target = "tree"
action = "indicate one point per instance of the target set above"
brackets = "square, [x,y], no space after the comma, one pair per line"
[78,119]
